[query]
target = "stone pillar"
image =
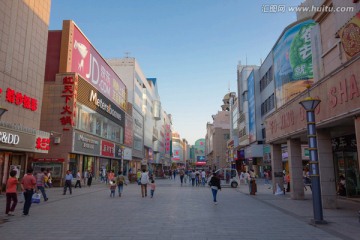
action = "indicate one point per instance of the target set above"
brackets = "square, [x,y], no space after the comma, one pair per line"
[326,169]
[276,167]
[357,133]
[295,169]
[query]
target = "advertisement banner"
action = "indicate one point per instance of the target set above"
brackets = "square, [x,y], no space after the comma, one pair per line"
[350,37]
[128,136]
[107,149]
[251,102]
[93,68]
[86,144]
[293,69]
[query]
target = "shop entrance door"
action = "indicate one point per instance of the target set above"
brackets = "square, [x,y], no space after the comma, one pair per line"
[347,165]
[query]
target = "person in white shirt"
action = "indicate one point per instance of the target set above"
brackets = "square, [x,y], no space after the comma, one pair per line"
[203,176]
[144,180]
[78,179]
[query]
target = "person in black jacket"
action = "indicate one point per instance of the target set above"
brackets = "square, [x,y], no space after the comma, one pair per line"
[215,186]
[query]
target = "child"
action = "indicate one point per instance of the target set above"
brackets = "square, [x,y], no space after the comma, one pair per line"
[112,188]
[152,188]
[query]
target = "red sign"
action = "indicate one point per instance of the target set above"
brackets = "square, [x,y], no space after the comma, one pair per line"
[42,143]
[107,149]
[93,68]
[167,139]
[48,160]
[19,98]
[69,94]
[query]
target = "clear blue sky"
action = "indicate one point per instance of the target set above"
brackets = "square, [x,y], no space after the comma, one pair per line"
[191,46]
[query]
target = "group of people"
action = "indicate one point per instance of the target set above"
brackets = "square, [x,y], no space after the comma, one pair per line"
[144,179]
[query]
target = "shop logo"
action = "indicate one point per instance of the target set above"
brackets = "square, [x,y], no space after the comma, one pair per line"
[9,138]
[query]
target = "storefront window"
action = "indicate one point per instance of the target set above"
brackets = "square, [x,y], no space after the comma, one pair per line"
[94,123]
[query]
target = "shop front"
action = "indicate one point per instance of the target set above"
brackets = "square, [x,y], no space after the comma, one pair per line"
[18,144]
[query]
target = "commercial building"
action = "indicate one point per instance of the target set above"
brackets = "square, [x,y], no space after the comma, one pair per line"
[152,122]
[217,135]
[22,65]
[336,61]
[84,107]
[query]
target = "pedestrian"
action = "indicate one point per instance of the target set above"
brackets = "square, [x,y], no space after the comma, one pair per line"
[246,177]
[112,188]
[40,183]
[170,174]
[111,176]
[267,177]
[181,173]
[28,185]
[49,178]
[144,180]
[89,178]
[120,181]
[193,176]
[341,186]
[68,179]
[46,180]
[197,177]
[78,179]
[203,177]
[152,188]
[86,173]
[11,194]
[287,180]
[215,186]
[174,173]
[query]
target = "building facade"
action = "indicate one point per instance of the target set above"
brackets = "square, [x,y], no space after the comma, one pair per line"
[336,65]
[84,107]
[22,65]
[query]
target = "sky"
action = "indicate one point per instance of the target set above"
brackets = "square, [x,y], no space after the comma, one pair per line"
[192,47]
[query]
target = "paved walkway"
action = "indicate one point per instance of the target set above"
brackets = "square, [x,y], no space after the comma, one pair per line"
[176,213]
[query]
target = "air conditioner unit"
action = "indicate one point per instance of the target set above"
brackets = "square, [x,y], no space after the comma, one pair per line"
[56,140]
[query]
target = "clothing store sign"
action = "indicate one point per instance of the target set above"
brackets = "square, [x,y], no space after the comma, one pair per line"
[107,149]
[16,140]
[84,143]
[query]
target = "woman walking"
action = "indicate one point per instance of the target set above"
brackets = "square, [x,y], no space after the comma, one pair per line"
[215,186]
[11,195]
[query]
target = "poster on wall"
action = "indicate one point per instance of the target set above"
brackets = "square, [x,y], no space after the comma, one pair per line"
[251,102]
[293,69]
[350,37]
[16,168]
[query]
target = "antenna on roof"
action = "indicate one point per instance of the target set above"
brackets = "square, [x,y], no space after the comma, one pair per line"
[127,54]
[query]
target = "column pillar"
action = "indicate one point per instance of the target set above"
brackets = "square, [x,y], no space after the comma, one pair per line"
[295,169]
[357,133]
[276,167]
[326,169]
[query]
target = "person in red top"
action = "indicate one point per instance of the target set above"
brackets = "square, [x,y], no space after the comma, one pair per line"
[28,184]
[11,195]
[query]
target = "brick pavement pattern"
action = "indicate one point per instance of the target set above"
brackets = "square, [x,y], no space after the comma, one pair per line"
[175,212]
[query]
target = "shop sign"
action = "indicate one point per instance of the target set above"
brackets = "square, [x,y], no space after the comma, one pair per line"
[119,150]
[20,99]
[127,153]
[84,143]
[128,136]
[16,140]
[107,149]
[70,87]
[93,68]
[42,144]
[344,143]
[59,160]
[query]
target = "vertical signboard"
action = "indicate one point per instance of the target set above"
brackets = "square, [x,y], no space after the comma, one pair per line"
[293,69]
[251,102]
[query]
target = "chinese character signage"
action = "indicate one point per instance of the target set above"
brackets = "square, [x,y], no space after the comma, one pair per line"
[69,95]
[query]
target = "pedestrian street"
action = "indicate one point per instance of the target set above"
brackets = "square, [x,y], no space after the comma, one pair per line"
[175,212]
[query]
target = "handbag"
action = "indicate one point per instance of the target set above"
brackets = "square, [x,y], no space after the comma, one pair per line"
[36,198]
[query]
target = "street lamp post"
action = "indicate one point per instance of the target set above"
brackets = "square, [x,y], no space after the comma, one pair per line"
[309,104]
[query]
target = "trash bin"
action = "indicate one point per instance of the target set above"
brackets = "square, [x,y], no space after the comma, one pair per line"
[252,187]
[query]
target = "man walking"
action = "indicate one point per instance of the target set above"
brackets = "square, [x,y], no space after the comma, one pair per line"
[40,183]
[78,179]
[68,179]
[28,185]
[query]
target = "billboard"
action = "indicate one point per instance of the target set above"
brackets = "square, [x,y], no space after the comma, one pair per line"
[293,69]
[251,102]
[350,37]
[87,62]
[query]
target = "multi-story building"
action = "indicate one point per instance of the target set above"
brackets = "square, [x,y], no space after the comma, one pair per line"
[217,135]
[336,61]
[177,157]
[149,141]
[23,39]
[84,107]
